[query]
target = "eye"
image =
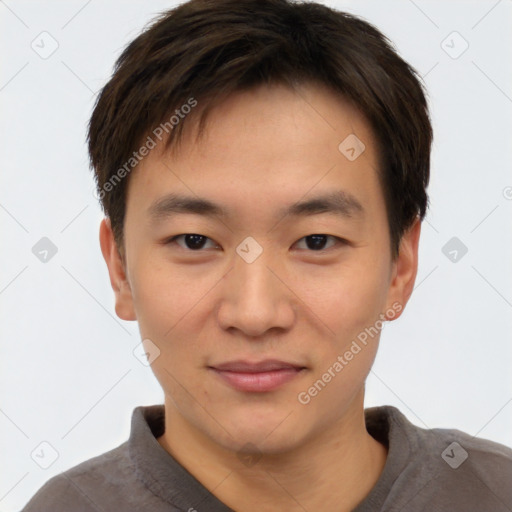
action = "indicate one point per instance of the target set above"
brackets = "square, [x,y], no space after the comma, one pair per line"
[192,241]
[318,242]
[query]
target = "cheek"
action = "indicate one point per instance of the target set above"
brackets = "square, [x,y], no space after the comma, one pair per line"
[168,301]
[349,304]
[158,300]
[346,299]
[166,296]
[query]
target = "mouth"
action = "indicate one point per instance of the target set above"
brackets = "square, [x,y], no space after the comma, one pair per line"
[257,377]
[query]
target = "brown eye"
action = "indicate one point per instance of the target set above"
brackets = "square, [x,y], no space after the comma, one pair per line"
[191,241]
[318,242]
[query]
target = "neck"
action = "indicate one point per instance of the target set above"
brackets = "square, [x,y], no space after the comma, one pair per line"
[333,471]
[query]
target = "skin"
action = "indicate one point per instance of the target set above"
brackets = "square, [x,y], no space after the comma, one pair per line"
[264,149]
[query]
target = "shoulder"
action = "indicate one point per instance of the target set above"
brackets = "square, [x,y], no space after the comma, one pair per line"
[83,487]
[447,469]
[121,479]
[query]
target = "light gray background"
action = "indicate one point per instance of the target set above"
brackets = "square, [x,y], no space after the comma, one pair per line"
[68,373]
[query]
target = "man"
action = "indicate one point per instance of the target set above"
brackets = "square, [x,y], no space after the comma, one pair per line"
[263,169]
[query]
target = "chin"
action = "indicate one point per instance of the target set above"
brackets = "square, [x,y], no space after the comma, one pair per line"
[269,435]
[255,443]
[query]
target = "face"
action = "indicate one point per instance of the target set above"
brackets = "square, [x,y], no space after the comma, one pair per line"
[289,261]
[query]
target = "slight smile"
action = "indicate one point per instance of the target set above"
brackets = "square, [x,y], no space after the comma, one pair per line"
[257,377]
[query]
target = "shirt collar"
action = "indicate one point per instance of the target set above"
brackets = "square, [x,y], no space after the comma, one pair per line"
[159,470]
[165,477]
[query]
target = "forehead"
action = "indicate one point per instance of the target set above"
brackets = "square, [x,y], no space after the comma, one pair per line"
[271,145]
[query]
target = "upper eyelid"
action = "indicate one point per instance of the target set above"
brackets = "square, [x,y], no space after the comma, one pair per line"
[173,239]
[337,239]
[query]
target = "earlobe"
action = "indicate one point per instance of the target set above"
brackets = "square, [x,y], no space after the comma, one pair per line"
[404,271]
[116,268]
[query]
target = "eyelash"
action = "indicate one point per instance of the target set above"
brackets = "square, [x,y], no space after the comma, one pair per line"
[337,239]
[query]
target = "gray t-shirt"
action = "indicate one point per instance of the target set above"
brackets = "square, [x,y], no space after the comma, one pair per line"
[426,470]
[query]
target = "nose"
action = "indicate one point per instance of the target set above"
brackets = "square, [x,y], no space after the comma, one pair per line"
[255,298]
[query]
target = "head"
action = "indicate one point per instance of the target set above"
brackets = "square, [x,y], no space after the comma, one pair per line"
[294,143]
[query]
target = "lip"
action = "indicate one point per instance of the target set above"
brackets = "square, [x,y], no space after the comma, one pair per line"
[262,376]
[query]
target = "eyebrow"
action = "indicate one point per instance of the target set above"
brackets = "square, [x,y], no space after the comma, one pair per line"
[340,203]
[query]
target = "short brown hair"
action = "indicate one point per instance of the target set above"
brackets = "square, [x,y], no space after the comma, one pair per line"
[208,49]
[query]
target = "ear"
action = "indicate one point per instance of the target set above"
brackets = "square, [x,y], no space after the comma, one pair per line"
[403,273]
[117,272]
